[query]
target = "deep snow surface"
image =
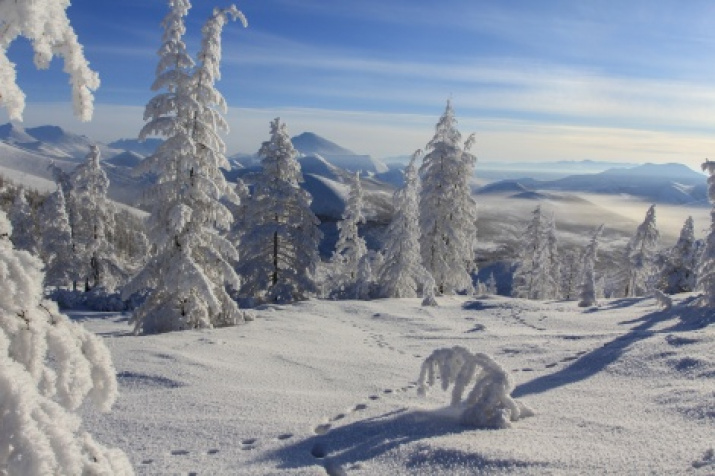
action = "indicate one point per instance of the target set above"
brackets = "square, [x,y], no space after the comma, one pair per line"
[326,387]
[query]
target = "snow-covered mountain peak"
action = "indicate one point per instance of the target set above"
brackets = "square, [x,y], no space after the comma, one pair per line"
[309,143]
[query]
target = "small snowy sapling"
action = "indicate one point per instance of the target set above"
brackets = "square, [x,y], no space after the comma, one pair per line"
[489,403]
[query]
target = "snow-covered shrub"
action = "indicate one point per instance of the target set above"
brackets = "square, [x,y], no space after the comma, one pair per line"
[663,300]
[48,367]
[489,403]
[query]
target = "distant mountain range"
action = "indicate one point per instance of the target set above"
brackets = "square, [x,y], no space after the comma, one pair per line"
[673,184]
[327,168]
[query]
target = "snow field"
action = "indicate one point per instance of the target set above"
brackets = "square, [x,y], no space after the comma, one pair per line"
[328,387]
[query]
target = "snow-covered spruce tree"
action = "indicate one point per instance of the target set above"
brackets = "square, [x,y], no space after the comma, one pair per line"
[92,221]
[529,268]
[402,273]
[45,24]
[279,245]
[706,270]
[679,269]
[56,243]
[571,273]
[48,367]
[489,404]
[587,291]
[538,271]
[640,254]
[448,213]
[189,275]
[350,249]
[552,277]
[24,228]
[491,285]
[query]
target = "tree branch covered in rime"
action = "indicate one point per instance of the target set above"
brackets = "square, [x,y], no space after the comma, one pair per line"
[278,243]
[45,24]
[192,271]
[448,213]
[489,403]
[48,367]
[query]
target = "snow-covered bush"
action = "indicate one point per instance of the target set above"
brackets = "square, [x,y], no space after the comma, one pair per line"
[489,403]
[664,301]
[48,367]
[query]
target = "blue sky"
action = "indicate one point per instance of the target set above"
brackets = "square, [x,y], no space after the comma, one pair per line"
[536,80]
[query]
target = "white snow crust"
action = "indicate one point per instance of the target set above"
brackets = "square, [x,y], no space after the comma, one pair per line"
[330,387]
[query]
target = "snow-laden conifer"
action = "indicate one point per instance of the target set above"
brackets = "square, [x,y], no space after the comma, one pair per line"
[552,277]
[587,291]
[56,243]
[529,272]
[193,265]
[24,228]
[48,367]
[448,213]
[489,403]
[640,255]
[279,245]
[351,248]
[92,221]
[491,284]
[402,273]
[706,269]
[678,272]
[45,24]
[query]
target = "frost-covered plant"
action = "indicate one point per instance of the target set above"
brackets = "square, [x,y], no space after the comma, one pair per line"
[706,269]
[193,266]
[279,239]
[350,249]
[587,291]
[56,243]
[538,270]
[45,24]
[448,213]
[92,217]
[489,403]
[678,271]
[640,255]
[48,367]
[402,272]
[22,218]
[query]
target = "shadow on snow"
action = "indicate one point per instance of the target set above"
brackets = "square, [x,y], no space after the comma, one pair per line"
[686,317]
[345,447]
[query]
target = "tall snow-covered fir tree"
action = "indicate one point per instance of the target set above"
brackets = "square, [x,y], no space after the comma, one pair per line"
[45,24]
[351,248]
[402,273]
[529,271]
[587,291]
[448,213]
[678,272]
[49,367]
[192,268]
[538,270]
[92,221]
[56,244]
[279,245]
[706,269]
[640,255]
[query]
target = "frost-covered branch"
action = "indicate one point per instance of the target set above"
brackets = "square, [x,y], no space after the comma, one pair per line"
[489,403]
[45,24]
